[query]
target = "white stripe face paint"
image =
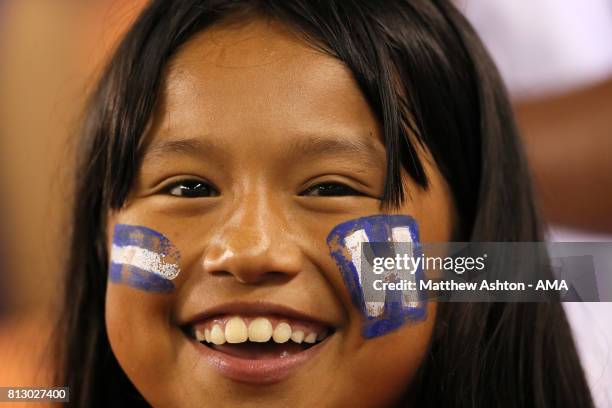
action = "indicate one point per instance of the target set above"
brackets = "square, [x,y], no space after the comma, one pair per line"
[402,236]
[381,236]
[144,259]
[353,244]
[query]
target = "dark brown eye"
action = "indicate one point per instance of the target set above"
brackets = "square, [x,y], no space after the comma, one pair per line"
[191,189]
[331,190]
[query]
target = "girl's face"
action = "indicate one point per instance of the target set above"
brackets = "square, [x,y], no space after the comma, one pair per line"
[259,147]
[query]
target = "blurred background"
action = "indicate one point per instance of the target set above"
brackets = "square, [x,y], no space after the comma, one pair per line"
[51,53]
[554,55]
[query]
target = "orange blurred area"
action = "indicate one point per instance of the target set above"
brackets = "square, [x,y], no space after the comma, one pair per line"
[51,52]
[25,355]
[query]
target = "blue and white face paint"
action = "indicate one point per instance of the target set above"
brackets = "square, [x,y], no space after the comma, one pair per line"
[144,259]
[352,245]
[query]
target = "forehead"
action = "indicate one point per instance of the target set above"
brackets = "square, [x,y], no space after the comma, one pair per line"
[256,75]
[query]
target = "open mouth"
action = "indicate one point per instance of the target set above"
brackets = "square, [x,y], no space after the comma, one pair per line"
[257,348]
[258,337]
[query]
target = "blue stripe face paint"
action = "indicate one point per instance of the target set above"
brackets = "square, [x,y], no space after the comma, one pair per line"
[353,246]
[143,259]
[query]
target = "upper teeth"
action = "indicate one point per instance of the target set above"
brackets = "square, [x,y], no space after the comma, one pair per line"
[216,335]
[259,330]
[282,333]
[236,331]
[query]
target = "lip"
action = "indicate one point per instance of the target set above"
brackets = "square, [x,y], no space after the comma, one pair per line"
[256,309]
[257,371]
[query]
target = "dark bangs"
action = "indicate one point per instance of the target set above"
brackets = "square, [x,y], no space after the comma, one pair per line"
[418,64]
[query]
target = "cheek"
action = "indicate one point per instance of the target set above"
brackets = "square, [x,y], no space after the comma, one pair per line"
[435,223]
[382,368]
[143,286]
[356,246]
[432,208]
[139,333]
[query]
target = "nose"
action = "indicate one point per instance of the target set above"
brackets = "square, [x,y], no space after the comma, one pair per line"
[254,245]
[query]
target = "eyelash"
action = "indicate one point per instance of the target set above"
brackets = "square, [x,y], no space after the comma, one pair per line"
[326,189]
[191,188]
[194,188]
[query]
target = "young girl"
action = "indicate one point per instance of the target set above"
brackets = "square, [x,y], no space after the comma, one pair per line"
[225,142]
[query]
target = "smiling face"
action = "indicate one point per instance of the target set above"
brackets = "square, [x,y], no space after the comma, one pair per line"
[259,147]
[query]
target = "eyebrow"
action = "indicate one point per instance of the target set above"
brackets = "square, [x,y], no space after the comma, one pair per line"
[306,146]
[188,146]
[313,145]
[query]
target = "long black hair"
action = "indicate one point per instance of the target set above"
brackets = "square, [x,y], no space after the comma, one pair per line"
[429,81]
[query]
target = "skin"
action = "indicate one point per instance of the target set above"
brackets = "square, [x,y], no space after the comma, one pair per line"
[251,106]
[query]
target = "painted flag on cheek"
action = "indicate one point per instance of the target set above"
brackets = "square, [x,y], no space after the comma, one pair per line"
[354,244]
[143,259]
